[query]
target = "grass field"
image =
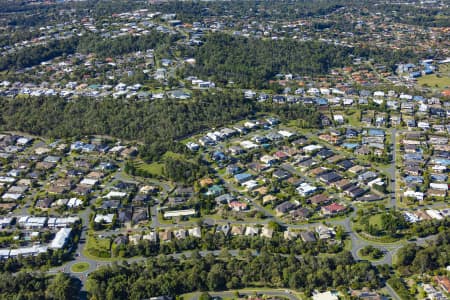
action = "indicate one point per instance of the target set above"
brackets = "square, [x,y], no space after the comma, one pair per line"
[98,247]
[375,220]
[434,81]
[157,168]
[353,117]
[80,267]
[154,168]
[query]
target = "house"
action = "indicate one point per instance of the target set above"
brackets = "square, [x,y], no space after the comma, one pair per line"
[251,231]
[11,197]
[233,169]
[121,240]
[267,232]
[366,294]
[224,199]
[44,203]
[214,190]
[307,163]
[301,213]
[413,194]
[179,213]
[351,133]
[434,214]
[319,199]
[367,176]
[332,139]
[439,186]
[281,174]
[354,191]
[237,230]
[243,177]
[342,184]
[140,200]
[61,238]
[195,232]
[139,214]
[235,150]
[324,153]
[289,235]
[324,232]
[225,229]
[180,234]
[362,151]
[312,148]
[165,236]
[193,146]
[281,155]
[274,136]
[306,189]
[436,193]
[250,185]
[268,199]
[115,195]
[443,282]
[5,222]
[339,119]
[308,236]
[134,239]
[125,215]
[108,219]
[263,190]
[284,207]
[238,206]
[333,209]
[151,236]
[268,160]
[329,177]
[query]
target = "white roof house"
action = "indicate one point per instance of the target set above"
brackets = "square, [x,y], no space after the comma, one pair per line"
[378,94]
[115,194]
[286,133]
[311,148]
[11,196]
[89,181]
[325,296]
[195,232]
[152,236]
[434,214]
[179,213]
[439,186]
[74,202]
[104,218]
[28,251]
[305,189]
[248,145]
[413,194]
[61,238]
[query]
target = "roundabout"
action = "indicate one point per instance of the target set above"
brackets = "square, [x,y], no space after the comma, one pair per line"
[80,267]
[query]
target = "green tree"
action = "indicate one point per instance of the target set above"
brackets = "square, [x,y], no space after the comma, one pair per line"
[63,287]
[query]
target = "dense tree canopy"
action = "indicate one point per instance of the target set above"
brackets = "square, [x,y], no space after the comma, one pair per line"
[416,259]
[158,124]
[251,63]
[38,286]
[168,276]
